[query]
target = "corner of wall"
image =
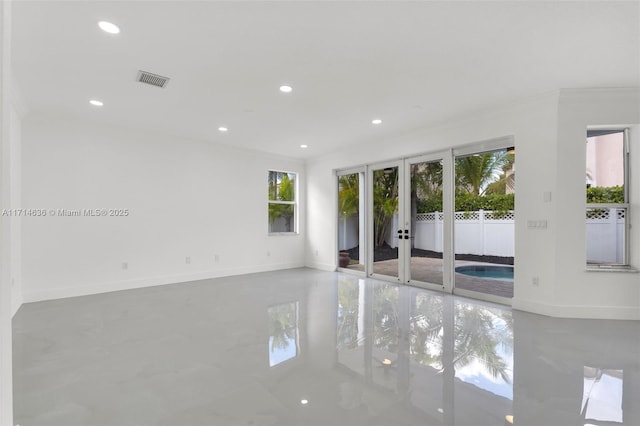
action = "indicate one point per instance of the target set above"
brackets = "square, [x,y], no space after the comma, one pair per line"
[16,303]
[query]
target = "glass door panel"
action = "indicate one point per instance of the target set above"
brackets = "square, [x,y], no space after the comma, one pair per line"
[484,229]
[426,219]
[350,221]
[384,220]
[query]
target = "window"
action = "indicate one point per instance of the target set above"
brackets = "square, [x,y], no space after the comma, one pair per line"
[282,202]
[607,195]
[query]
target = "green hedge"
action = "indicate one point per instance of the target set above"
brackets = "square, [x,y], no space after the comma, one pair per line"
[470,202]
[601,194]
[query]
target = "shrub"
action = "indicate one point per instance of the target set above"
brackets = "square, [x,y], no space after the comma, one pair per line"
[602,194]
[470,202]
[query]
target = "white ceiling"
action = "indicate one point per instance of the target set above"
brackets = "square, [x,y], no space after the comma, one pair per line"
[410,63]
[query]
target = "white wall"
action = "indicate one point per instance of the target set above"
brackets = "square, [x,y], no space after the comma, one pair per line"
[581,292]
[550,158]
[186,199]
[6,296]
[15,222]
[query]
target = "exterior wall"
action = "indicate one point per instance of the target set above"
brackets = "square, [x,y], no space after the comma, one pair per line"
[605,165]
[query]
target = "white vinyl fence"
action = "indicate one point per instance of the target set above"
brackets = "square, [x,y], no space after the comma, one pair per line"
[605,235]
[482,233]
[487,234]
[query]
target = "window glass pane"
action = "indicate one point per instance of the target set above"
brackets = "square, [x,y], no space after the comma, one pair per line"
[605,168]
[605,180]
[349,215]
[281,217]
[427,221]
[484,222]
[282,186]
[385,220]
[282,197]
[273,185]
[286,188]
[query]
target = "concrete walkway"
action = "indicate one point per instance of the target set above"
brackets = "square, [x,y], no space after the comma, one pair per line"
[429,270]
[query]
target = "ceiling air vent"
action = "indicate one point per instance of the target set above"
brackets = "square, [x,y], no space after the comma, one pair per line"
[152,79]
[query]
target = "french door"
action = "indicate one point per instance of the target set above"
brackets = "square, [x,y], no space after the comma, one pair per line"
[403,248]
[387,232]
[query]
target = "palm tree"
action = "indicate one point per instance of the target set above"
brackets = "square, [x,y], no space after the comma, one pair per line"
[507,182]
[281,188]
[385,202]
[426,183]
[475,172]
[348,195]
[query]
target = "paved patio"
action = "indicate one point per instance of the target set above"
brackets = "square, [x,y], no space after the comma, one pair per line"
[429,270]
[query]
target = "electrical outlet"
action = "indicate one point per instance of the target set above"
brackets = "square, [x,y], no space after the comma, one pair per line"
[216,257]
[317,253]
[268,253]
[187,260]
[535,281]
[125,265]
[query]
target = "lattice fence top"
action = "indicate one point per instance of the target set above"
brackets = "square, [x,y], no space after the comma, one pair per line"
[467,215]
[605,214]
[429,217]
[598,214]
[487,215]
[421,217]
[509,215]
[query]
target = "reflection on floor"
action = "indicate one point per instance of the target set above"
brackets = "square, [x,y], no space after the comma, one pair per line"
[304,347]
[429,270]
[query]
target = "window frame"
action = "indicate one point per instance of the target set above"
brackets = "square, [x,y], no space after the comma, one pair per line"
[294,203]
[626,205]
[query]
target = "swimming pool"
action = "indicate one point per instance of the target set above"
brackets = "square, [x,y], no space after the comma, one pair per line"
[502,273]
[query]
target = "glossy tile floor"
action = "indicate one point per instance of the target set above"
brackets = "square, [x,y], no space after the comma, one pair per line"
[304,347]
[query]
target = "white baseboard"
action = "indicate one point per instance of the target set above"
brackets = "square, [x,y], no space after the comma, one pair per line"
[61,293]
[321,266]
[577,311]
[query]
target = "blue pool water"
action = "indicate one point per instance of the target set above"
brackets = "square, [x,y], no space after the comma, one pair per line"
[502,273]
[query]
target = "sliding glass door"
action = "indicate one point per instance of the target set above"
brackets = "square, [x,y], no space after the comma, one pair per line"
[443,221]
[484,227]
[351,220]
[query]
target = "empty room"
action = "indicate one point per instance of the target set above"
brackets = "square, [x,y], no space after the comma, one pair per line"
[320,213]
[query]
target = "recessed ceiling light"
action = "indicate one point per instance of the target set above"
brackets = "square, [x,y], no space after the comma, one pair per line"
[304,401]
[108,27]
[376,121]
[286,89]
[96,102]
[303,146]
[222,129]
